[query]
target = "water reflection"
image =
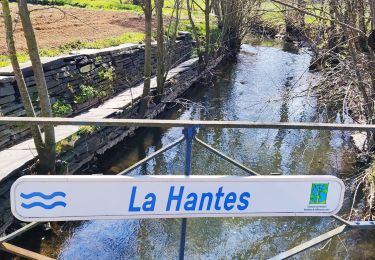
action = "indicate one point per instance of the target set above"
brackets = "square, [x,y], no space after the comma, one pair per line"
[266,84]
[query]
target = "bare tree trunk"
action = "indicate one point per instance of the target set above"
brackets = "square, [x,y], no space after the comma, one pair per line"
[372,13]
[160,70]
[218,13]
[47,158]
[354,57]
[362,41]
[233,26]
[195,33]
[353,28]
[35,131]
[207,11]
[147,67]
[172,36]
[288,20]
[177,8]
[370,41]
[332,35]
[301,16]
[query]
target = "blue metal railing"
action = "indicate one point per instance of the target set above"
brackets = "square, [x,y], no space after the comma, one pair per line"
[189,134]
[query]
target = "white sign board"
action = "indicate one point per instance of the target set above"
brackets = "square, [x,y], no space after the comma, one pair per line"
[63,198]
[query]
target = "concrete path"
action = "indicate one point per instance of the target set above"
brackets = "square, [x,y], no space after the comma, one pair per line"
[18,155]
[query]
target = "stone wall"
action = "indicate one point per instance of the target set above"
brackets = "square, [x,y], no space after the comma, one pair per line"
[82,148]
[81,80]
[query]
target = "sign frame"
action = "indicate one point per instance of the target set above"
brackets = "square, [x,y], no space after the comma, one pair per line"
[172,179]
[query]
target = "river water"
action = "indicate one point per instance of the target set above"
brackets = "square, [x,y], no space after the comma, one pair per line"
[265,84]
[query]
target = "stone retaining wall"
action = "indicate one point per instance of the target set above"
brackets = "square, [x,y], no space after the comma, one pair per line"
[79,81]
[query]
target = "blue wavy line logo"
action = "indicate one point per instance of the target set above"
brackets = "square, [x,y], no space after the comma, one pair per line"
[42,195]
[42,205]
[45,197]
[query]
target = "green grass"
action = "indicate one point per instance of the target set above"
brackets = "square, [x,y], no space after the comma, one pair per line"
[112,5]
[93,4]
[275,17]
[198,17]
[261,41]
[131,37]
[4,60]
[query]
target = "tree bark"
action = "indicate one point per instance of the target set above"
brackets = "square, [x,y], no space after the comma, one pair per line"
[332,34]
[195,33]
[160,70]
[218,13]
[372,13]
[172,36]
[207,11]
[147,67]
[362,40]
[354,56]
[321,17]
[47,158]
[233,27]
[301,16]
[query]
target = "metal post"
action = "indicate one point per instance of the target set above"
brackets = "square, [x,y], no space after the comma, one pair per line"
[189,134]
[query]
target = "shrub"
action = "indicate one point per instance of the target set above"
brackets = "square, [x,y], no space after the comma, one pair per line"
[62,146]
[107,74]
[86,93]
[86,130]
[60,109]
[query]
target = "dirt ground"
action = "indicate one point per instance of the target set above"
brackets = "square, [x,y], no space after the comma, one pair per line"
[57,26]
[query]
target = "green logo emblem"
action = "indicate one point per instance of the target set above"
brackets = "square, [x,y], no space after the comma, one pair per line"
[318,193]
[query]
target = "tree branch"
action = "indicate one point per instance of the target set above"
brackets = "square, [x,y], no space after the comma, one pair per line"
[320,17]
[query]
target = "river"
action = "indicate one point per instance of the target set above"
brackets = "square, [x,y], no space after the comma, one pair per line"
[265,84]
